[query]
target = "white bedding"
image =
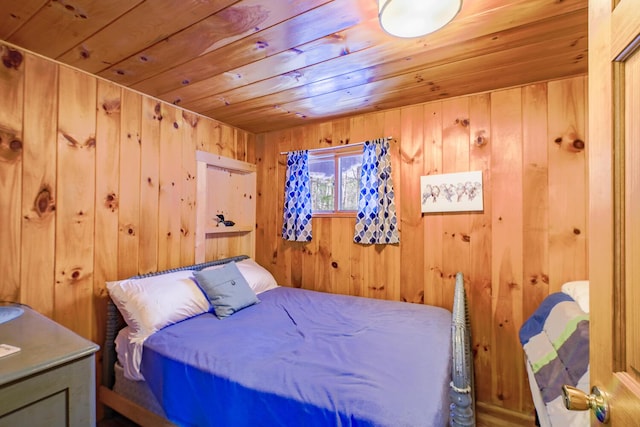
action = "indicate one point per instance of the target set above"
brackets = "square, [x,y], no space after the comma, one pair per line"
[129,354]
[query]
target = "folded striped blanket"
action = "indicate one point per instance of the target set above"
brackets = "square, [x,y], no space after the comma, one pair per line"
[555,340]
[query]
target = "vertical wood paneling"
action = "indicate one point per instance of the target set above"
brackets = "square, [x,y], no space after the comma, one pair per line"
[39,185]
[390,263]
[506,247]
[129,208]
[455,158]
[206,134]
[188,193]
[262,227]
[227,143]
[75,201]
[289,268]
[567,181]
[433,231]
[357,286]
[322,268]
[305,254]
[502,251]
[60,187]
[412,227]
[149,185]
[377,258]
[513,127]
[170,185]
[478,281]
[11,150]
[109,99]
[341,238]
[536,196]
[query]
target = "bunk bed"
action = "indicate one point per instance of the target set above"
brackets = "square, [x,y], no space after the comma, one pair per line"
[290,357]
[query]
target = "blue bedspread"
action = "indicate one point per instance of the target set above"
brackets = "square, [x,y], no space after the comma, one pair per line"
[305,358]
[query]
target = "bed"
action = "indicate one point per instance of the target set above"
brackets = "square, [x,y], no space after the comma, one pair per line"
[555,340]
[285,357]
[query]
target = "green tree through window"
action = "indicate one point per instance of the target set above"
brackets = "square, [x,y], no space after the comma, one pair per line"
[335,179]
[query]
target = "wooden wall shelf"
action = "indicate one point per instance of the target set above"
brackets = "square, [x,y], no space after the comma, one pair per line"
[233,229]
[224,186]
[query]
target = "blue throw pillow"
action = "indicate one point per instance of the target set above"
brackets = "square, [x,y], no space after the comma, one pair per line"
[226,289]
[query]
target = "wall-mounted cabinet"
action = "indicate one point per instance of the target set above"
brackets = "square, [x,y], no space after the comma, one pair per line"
[225,187]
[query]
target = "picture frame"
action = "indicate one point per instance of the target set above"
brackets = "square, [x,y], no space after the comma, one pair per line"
[452,192]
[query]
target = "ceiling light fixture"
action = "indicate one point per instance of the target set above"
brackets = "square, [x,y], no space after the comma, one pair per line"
[415,18]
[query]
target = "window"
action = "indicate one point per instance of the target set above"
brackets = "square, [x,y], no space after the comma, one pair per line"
[335,179]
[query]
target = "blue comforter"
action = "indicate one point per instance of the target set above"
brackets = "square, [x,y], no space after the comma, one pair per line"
[305,358]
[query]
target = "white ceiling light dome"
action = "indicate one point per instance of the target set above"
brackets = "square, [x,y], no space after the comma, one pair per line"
[415,18]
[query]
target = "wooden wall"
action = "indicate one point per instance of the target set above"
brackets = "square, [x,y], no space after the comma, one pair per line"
[531,238]
[97,183]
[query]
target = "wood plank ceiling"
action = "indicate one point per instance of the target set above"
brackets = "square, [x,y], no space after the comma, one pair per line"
[263,65]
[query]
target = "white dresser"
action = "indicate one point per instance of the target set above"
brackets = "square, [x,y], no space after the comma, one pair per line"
[51,380]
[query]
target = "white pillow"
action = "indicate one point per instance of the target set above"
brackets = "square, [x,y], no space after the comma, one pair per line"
[579,291]
[257,276]
[152,303]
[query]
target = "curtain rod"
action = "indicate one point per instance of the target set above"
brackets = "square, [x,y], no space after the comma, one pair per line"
[315,150]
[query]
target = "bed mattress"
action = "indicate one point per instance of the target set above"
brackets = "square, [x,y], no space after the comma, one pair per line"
[136,391]
[307,358]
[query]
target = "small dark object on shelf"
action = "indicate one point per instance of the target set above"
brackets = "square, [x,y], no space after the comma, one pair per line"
[226,223]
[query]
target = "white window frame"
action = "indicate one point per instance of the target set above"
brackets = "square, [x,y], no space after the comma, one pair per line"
[336,155]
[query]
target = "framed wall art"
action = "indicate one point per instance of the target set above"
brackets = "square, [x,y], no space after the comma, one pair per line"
[452,192]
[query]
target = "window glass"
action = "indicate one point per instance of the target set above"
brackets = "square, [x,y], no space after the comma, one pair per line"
[322,173]
[349,167]
[335,180]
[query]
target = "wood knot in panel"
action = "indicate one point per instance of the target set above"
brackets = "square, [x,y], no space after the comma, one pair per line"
[571,142]
[111,106]
[190,118]
[70,8]
[10,146]
[74,143]
[84,52]
[157,110]
[240,19]
[74,275]
[480,139]
[128,229]
[111,201]
[11,58]
[43,202]
[463,122]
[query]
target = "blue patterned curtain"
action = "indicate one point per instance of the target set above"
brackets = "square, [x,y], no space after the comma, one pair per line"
[376,222]
[296,224]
